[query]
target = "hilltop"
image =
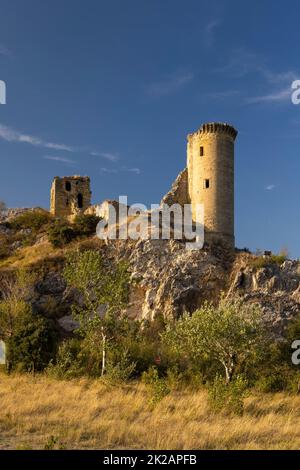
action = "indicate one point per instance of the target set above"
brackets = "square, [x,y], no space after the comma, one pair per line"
[166,278]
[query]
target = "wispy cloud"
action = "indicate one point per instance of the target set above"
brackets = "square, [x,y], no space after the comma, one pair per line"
[58,159]
[12,135]
[112,157]
[281,95]
[170,84]
[278,83]
[137,171]
[270,187]
[220,95]
[210,32]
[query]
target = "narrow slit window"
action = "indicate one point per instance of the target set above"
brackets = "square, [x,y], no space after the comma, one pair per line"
[201,151]
[68,186]
[206,184]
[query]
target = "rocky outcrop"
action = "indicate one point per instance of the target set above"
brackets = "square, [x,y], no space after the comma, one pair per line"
[167,279]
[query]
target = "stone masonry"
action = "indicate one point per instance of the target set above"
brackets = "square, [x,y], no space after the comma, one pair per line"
[70,196]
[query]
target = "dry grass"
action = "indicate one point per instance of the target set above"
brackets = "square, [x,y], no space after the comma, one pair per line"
[84,414]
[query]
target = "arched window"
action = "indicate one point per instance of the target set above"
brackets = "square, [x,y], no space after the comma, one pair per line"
[68,186]
[80,200]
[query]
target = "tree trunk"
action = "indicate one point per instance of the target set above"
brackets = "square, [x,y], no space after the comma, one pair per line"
[103,354]
[229,369]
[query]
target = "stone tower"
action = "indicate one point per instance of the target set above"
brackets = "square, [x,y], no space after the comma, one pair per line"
[210,164]
[70,196]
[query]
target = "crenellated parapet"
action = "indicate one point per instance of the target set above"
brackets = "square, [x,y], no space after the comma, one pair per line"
[214,128]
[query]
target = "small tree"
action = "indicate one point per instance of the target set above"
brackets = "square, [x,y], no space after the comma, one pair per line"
[32,344]
[230,334]
[104,294]
[15,291]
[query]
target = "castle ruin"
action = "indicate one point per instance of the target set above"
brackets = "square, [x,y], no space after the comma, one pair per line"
[70,196]
[208,179]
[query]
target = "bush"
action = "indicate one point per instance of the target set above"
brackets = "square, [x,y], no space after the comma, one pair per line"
[60,234]
[228,397]
[157,387]
[276,382]
[264,261]
[32,344]
[86,224]
[67,362]
[121,371]
[33,220]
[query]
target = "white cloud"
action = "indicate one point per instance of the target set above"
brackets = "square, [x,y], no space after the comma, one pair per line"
[278,83]
[270,187]
[209,32]
[134,170]
[112,157]
[58,159]
[12,135]
[170,84]
[220,95]
[281,95]
[137,171]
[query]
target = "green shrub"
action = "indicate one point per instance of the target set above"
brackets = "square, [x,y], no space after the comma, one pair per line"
[86,224]
[4,247]
[272,383]
[157,387]
[33,220]
[32,344]
[68,361]
[120,371]
[60,234]
[264,261]
[227,397]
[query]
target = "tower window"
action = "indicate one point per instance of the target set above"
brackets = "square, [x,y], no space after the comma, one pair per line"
[68,186]
[201,151]
[80,201]
[205,184]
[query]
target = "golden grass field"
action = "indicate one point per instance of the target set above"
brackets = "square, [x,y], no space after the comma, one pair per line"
[38,412]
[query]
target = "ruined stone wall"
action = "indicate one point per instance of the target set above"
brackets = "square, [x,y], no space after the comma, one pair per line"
[179,193]
[210,161]
[70,196]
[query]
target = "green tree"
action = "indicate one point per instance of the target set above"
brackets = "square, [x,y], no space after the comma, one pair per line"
[32,344]
[230,334]
[104,290]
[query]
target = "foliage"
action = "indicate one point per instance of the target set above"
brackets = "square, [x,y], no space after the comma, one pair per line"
[15,290]
[33,220]
[67,362]
[85,224]
[104,291]
[119,371]
[230,334]
[264,261]
[227,397]
[32,345]
[60,233]
[156,386]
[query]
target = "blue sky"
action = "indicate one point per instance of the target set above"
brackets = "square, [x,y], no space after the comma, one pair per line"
[111,88]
